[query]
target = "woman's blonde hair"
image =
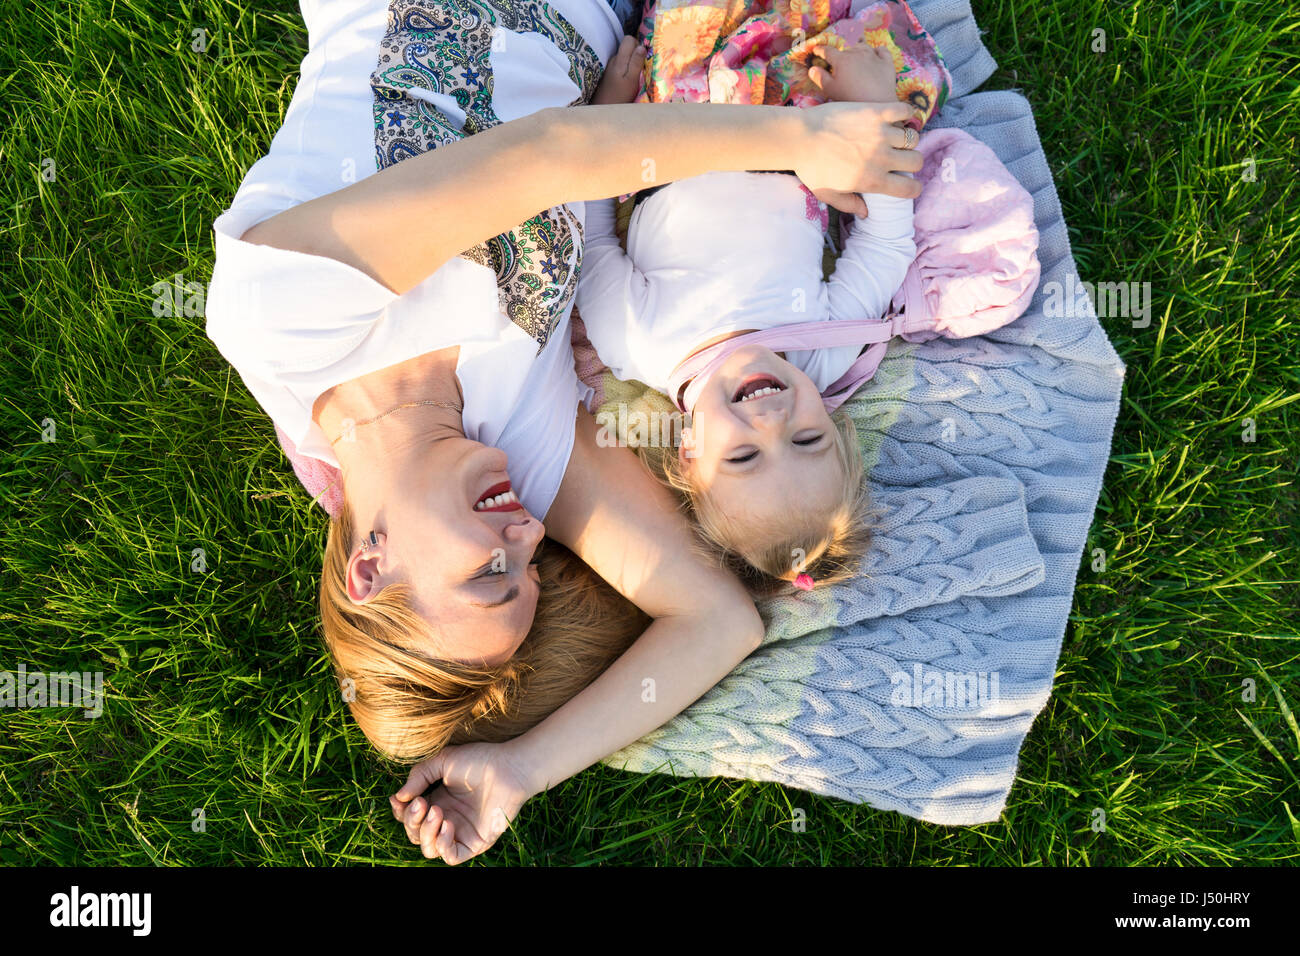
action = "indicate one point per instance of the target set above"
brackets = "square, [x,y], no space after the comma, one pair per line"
[411,704]
[828,547]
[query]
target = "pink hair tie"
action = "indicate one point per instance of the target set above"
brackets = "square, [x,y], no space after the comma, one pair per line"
[804,582]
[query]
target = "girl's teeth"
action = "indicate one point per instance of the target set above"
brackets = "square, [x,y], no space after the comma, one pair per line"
[765,390]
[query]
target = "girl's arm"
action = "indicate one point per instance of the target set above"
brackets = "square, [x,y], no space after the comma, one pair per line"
[613,294]
[468,191]
[874,261]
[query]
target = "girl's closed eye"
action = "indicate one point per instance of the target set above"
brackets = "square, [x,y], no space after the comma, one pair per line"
[745,456]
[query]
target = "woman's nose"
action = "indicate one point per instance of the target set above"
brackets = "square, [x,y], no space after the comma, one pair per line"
[526,533]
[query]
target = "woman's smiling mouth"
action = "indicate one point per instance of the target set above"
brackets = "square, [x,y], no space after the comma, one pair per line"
[500,497]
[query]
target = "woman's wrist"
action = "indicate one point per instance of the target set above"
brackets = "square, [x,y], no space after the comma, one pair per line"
[524,758]
[792,131]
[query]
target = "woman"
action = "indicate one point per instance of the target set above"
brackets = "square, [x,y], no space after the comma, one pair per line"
[396,321]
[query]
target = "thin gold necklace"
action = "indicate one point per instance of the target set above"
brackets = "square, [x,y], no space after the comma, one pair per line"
[369,421]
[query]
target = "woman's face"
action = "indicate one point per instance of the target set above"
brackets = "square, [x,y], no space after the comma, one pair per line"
[763,444]
[458,535]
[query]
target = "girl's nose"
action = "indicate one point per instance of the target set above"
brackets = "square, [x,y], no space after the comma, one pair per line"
[770,419]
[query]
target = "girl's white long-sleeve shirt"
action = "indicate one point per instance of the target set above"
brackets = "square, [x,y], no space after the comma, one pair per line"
[727,252]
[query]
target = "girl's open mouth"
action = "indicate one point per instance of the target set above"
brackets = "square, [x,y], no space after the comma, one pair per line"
[499,497]
[756,387]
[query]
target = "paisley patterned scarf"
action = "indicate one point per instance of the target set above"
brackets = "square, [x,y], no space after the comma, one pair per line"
[445,47]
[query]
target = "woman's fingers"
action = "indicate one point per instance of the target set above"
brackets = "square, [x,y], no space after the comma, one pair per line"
[459,839]
[445,845]
[413,817]
[904,187]
[850,203]
[906,160]
[429,833]
[896,111]
[897,137]
[423,776]
[457,850]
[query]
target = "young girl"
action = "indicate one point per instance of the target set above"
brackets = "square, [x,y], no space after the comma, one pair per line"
[774,481]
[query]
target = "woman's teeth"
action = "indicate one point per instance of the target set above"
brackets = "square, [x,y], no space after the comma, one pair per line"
[496,502]
[767,390]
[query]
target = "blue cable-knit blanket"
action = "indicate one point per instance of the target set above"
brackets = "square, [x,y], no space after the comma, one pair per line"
[912,689]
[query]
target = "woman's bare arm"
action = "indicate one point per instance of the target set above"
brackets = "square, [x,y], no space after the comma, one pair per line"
[449,199]
[628,528]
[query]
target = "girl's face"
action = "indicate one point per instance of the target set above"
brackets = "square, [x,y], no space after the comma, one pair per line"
[763,446]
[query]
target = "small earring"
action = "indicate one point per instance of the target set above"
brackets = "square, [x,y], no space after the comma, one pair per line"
[371,542]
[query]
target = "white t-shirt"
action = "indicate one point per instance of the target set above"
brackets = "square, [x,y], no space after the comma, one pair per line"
[730,251]
[295,325]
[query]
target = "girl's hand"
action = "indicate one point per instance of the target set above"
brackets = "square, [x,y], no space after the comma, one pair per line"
[852,148]
[483,786]
[622,79]
[860,74]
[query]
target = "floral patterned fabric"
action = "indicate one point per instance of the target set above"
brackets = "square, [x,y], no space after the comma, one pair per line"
[759,51]
[445,47]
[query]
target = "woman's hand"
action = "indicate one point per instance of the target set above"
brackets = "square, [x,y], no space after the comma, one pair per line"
[852,148]
[483,786]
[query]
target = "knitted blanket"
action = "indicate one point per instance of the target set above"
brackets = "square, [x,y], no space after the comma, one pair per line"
[913,688]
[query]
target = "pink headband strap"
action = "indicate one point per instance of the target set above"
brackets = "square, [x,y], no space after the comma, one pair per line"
[694,373]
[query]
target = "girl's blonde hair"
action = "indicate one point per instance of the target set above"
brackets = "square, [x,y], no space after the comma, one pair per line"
[828,547]
[411,704]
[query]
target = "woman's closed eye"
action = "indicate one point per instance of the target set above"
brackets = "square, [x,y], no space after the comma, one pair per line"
[495,567]
[496,564]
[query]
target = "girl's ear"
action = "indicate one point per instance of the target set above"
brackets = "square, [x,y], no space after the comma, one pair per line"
[686,450]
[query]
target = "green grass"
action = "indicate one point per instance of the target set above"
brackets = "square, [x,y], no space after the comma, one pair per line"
[219,690]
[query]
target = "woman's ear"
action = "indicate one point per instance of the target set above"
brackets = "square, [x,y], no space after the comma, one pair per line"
[364,573]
